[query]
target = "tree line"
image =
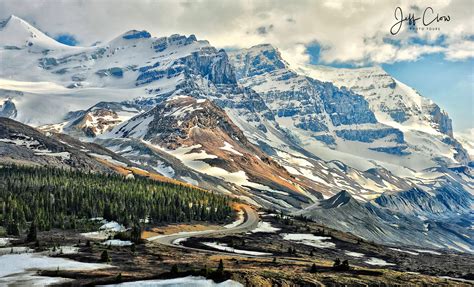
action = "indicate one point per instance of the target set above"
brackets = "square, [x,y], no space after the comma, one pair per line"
[57,198]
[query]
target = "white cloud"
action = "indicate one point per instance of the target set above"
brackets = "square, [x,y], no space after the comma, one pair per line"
[349,31]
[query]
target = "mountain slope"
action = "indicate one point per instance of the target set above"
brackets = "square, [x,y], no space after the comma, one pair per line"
[426,126]
[390,124]
[205,139]
[375,223]
[21,144]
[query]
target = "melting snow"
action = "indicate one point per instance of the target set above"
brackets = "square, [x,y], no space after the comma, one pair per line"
[190,180]
[354,254]
[185,281]
[113,226]
[228,147]
[225,247]
[309,239]
[404,251]
[238,222]
[264,226]
[18,268]
[428,251]
[378,261]
[4,241]
[178,241]
[117,242]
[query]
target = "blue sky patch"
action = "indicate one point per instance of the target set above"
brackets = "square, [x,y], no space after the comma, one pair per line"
[66,39]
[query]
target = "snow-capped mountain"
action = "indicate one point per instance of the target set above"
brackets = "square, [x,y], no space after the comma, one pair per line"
[244,122]
[378,122]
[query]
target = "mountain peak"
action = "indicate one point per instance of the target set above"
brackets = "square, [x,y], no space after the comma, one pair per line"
[135,34]
[338,200]
[257,60]
[17,32]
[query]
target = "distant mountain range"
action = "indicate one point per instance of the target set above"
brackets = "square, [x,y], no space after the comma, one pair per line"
[354,148]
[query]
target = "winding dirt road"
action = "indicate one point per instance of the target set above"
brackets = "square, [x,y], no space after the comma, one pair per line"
[250,222]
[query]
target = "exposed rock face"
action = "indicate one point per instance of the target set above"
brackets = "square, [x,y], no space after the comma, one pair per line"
[262,59]
[199,129]
[95,121]
[449,199]
[393,102]
[21,144]
[395,219]
[322,109]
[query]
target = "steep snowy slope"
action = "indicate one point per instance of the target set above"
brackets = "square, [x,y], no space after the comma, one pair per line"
[466,138]
[426,126]
[44,80]
[378,123]
[18,34]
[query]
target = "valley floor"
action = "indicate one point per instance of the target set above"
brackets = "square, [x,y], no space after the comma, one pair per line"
[278,251]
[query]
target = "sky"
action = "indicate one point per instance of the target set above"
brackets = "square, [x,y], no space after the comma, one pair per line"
[352,33]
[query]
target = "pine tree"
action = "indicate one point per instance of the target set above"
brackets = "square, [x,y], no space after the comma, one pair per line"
[104,257]
[313,268]
[32,233]
[220,268]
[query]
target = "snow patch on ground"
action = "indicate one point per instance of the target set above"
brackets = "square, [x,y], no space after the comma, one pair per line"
[113,226]
[354,254]
[378,261]
[266,227]
[167,171]
[239,221]
[404,251]
[225,247]
[4,241]
[178,241]
[63,250]
[190,180]
[428,251]
[19,268]
[309,239]
[15,250]
[185,281]
[107,229]
[228,147]
[117,242]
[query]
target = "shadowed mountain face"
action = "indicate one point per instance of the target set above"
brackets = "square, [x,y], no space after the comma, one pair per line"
[21,144]
[242,123]
[394,224]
